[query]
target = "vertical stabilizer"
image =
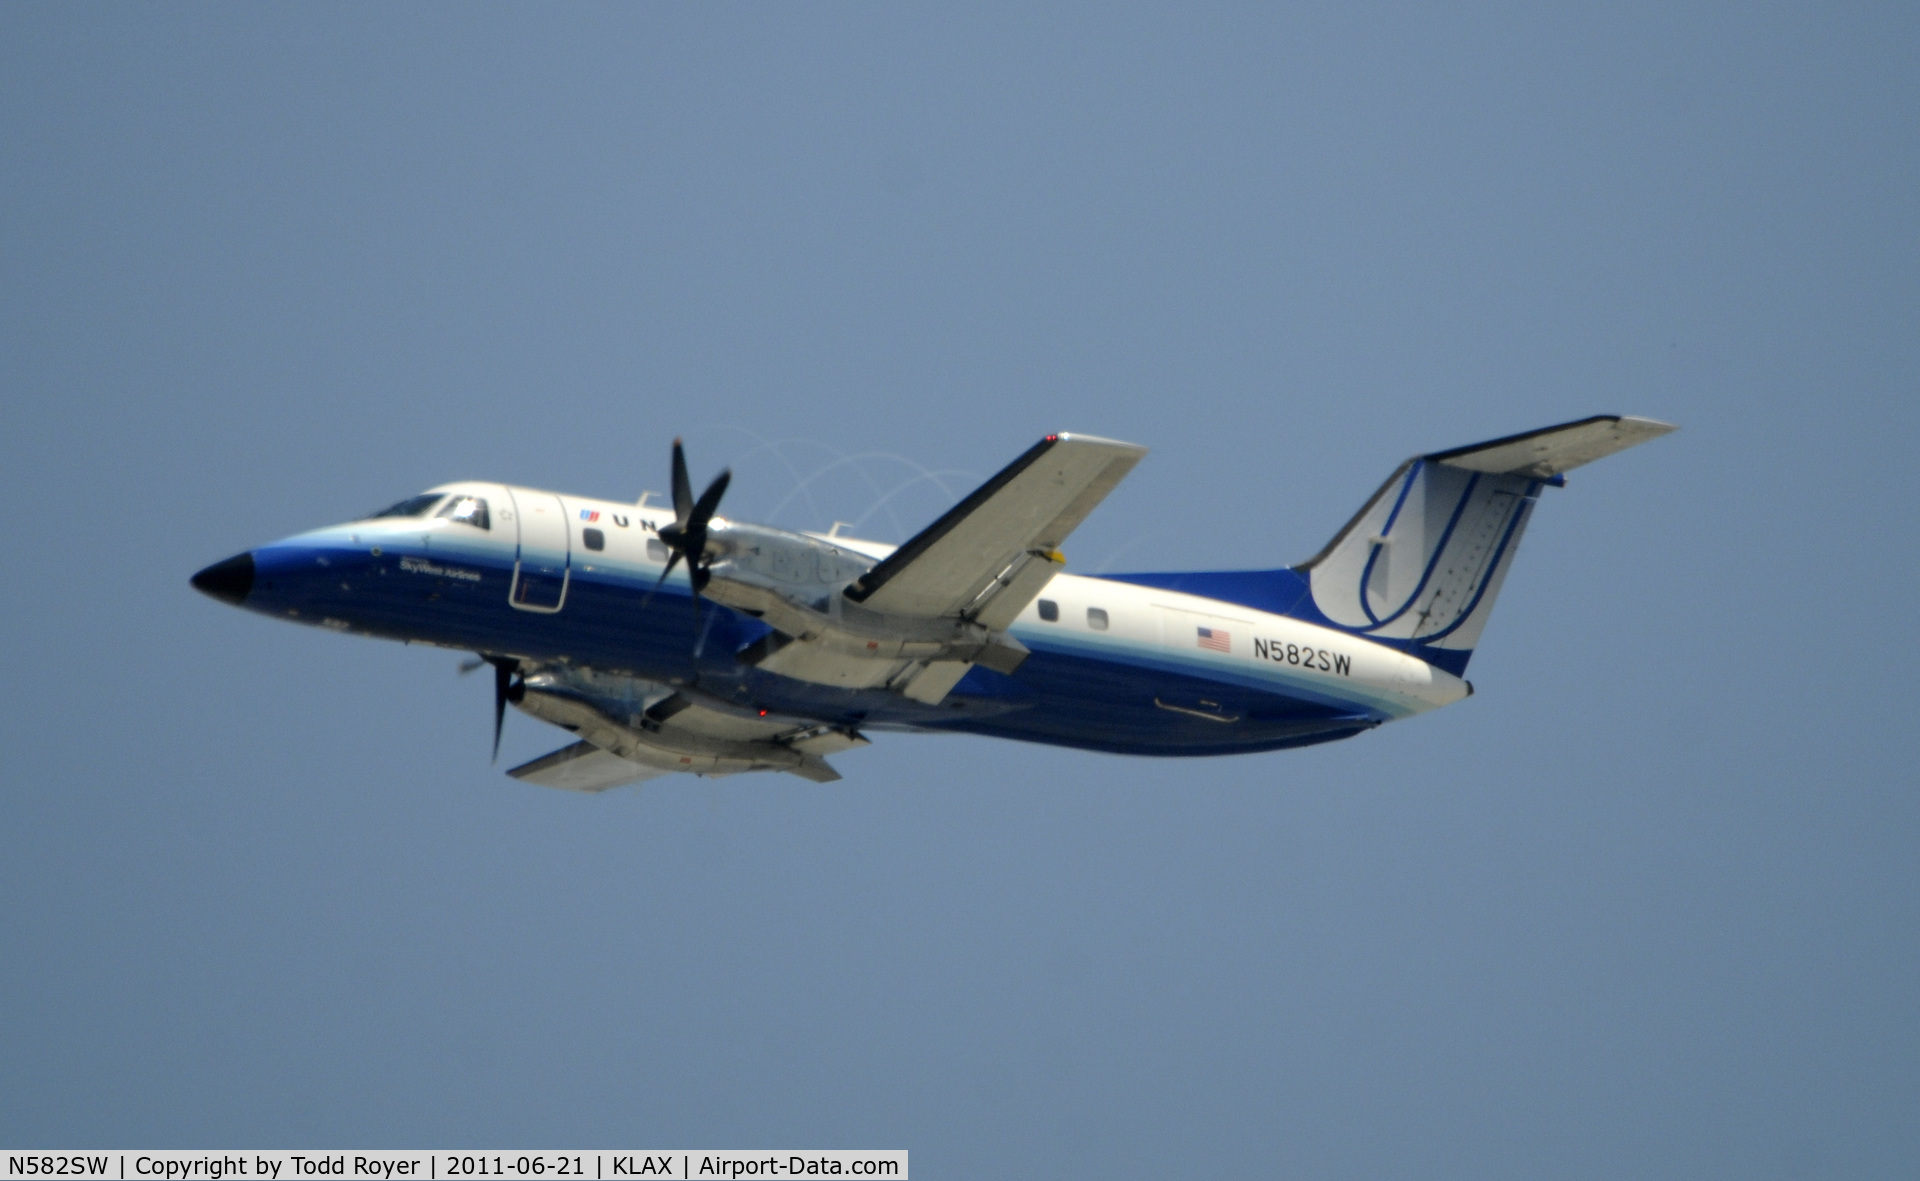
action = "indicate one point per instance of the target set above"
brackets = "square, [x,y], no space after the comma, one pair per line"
[1420,566]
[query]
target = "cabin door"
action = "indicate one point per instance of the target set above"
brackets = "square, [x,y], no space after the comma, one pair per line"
[541,562]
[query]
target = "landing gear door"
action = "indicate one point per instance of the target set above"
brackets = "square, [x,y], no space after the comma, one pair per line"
[541,561]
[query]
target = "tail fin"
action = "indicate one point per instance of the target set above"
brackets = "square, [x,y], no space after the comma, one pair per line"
[1420,566]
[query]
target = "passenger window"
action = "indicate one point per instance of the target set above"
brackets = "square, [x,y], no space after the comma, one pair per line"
[656,549]
[1097,618]
[468,510]
[1049,610]
[595,539]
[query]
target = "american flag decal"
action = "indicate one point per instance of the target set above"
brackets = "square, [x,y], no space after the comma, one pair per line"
[1214,638]
[587,514]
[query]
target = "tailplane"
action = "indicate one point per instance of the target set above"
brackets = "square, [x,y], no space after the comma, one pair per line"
[1422,563]
[1418,567]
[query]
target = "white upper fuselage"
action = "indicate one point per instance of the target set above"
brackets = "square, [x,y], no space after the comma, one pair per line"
[1101,621]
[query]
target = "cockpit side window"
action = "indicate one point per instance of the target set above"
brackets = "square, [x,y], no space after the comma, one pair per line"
[468,510]
[412,506]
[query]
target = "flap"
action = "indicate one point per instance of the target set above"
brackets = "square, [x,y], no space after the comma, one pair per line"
[582,767]
[681,714]
[1551,450]
[1029,507]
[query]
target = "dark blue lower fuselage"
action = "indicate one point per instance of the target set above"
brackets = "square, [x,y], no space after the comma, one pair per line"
[614,623]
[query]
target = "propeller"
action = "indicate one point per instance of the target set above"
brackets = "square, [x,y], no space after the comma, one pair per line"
[504,690]
[686,535]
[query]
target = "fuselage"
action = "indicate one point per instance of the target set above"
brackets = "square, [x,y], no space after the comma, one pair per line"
[573,582]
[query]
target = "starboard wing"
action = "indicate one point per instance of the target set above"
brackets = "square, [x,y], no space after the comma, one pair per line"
[991,553]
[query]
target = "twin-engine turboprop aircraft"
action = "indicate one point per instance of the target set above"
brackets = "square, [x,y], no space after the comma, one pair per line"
[590,613]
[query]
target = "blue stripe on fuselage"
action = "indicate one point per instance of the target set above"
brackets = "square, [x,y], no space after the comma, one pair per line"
[1081,691]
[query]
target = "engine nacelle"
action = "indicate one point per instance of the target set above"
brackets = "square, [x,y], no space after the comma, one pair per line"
[793,583]
[803,570]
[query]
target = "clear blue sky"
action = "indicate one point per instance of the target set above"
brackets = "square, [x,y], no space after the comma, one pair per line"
[1648,905]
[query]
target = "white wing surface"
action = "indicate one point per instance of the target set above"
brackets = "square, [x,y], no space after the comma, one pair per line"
[1001,543]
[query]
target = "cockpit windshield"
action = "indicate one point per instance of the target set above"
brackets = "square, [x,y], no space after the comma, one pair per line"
[468,510]
[412,506]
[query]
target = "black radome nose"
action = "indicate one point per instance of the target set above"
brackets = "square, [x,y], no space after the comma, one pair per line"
[229,581]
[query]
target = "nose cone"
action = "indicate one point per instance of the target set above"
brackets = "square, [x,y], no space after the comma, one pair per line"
[229,581]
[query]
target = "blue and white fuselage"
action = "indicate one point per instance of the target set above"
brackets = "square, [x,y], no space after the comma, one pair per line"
[799,643]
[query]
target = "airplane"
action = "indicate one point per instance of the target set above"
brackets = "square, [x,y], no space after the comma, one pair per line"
[669,639]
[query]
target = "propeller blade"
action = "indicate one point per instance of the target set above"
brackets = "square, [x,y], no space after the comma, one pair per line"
[467,666]
[682,487]
[694,538]
[503,669]
[673,559]
[686,537]
[502,678]
[709,500]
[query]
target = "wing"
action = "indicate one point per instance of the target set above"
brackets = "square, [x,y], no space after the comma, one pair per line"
[992,552]
[776,744]
[582,767]
[674,734]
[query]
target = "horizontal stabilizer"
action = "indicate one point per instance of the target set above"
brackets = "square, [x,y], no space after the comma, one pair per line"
[582,767]
[1549,451]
